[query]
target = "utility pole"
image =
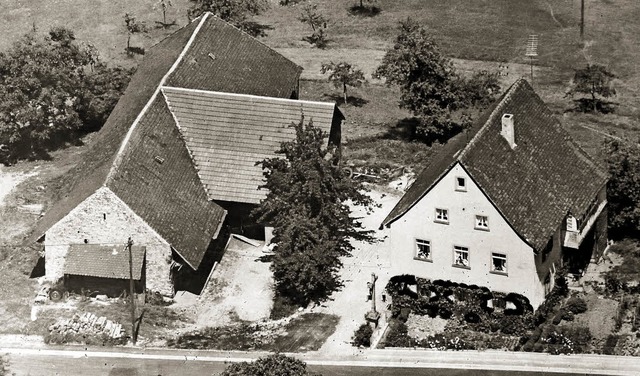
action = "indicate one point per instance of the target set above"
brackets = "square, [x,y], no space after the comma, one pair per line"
[132,292]
[582,19]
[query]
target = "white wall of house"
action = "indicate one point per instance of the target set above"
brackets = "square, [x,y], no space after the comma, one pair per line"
[105,219]
[463,206]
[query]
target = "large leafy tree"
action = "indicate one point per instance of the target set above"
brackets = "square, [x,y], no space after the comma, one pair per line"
[429,84]
[623,189]
[53,89]
[272,365]
[595,81]
[307,204]
[236,12]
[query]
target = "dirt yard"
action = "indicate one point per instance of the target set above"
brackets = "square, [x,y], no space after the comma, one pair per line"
[240,288]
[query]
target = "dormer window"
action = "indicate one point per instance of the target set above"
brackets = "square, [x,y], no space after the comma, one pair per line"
[442,215]
[461,184]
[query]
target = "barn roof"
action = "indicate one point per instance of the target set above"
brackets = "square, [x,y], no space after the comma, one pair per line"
[228,133]
[104,261]
[533,185]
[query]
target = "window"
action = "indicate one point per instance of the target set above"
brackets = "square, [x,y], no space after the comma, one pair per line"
[423,250]
[442,215]
[461,256]
[482,222]
[499,263]
[461,184]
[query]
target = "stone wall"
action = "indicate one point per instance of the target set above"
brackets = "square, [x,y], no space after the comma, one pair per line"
[105,219]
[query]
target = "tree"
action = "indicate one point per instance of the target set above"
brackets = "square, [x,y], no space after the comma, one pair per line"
[429,84]
[318,23]
[133,26]
[235,12]
[164,5]
[52,90]
[593,80]
[307,206]
[272,365]
[342,75]
[623,188]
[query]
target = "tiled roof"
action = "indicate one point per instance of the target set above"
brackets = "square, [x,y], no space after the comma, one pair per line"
[229,60]
[158,181]
[91,173]
[533,185]
[228,133]
[104,261]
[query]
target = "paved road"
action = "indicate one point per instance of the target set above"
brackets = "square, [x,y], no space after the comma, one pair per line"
[136,362]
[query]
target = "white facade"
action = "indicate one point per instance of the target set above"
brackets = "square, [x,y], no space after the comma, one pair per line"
[105,219]
[466,220]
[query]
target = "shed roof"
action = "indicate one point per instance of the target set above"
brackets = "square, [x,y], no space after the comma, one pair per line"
[104,261]
[533,185]
[228,133]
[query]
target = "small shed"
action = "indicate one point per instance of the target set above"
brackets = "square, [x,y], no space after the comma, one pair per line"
[104,269]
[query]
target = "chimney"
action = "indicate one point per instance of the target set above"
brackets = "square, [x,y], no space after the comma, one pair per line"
[508,130]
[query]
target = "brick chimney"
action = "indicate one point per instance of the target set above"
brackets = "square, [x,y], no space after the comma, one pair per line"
[508,130]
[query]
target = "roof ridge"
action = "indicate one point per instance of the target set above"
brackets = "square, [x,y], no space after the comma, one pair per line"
[255,39]
[274,99]
[506,97]
[118,158]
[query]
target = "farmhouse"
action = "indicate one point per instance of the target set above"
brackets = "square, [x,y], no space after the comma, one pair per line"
[204,106]
[505,205]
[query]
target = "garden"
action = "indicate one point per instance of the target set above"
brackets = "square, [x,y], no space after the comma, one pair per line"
[445,315]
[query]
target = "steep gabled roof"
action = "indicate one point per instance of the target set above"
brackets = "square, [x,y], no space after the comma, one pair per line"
[533,185]
[159,182]
[232,61]
[228,133]
[96,162]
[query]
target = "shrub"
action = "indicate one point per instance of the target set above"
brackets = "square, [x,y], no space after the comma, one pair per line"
[511,325]
[610,344]
[567,315]
[557,319]
[576,305]
[362,336]
[397,335]
[472,317]
[404,314]
[445,313]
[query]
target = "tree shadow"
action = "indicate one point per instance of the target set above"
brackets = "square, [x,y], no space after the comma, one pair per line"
[588,105]
[364,11]
[351,100]
[404,130]
[255,29]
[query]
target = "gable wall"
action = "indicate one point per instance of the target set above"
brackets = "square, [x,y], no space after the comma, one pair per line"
[87,221]
[419,223]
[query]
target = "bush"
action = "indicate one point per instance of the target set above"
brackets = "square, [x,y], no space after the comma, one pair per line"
[397,335]
[472,317]
[610,344]
[282,307]
[445,313]
[567,315]
[576,305]
[557,319]
[511,325]
[362,336]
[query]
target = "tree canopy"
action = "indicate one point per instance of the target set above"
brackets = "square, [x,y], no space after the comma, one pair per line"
[623,189]
[595,81]
[236,12]
[52,90]
[272,365]
[307,204]
[342,75]
[429,84]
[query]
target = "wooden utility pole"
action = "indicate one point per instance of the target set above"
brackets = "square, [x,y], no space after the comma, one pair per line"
[132,292]
[582,19]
